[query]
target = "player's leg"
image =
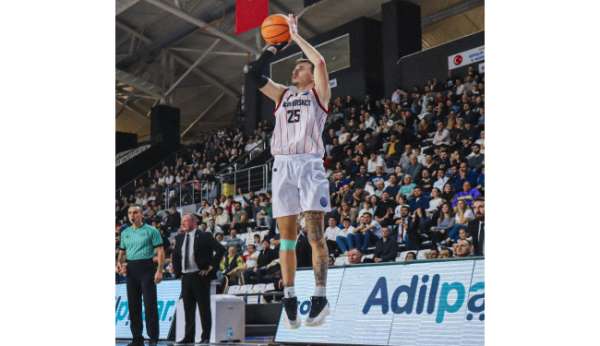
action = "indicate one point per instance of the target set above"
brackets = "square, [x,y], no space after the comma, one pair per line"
[315,229]
[286,207]
[314,200]
[288,227]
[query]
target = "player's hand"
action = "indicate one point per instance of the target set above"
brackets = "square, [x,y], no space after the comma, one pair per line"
[293,24]
[158,276]
[121,269]
[205,272]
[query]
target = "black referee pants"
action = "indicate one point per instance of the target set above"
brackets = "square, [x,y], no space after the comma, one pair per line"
[140,282]
[195,291]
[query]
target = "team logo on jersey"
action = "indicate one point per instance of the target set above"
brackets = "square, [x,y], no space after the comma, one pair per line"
[323,202]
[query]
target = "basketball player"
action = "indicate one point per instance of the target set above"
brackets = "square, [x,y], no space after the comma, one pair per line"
[299,184]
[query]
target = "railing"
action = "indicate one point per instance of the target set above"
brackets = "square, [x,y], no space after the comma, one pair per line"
[191,192]
[257,178]
[258,149]
[130,187]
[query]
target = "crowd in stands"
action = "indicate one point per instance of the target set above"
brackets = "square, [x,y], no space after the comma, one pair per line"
[406,175]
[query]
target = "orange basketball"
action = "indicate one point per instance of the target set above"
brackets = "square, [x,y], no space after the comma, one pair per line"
[274,29]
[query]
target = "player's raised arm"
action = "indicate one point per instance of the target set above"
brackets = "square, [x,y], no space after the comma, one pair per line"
[257,71]
[321,75]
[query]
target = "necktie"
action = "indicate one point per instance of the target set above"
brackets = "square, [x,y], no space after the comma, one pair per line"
[188,249]
[481,238]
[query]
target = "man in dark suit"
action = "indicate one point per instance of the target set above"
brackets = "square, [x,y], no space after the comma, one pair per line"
[194,262]
[386,248]
[476,227]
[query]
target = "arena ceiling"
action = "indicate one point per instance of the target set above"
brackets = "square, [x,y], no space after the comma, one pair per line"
[186,52]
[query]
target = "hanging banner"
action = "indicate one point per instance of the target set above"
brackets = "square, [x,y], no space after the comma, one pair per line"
[465,58]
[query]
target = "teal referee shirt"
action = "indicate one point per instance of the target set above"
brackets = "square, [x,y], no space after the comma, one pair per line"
[139,243]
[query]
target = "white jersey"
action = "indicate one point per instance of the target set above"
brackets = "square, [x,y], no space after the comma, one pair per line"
[299,121]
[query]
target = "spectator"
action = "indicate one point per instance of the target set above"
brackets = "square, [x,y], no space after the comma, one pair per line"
[463,248]
[476,227]
[303,250]
[344,242]
[425,181]
[251,262]
[367,229]
[441,181]
[386,248]
[366,208]
[467,194]
[407,186]
[444,221]
[234,240]
[410,256]
[442,135]
[232,265]
[212,227]
[413,168]
[432,254]
[263,220]
[391,185]
[407,229]
[222,218]
[243,225]
[448,192]
[417,200]
[354,256]
[462,216]
[220,238]
[434,202]
[475,159]
[445,253]
[331,233]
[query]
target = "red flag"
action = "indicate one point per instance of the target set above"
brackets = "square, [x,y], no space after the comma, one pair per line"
[249,14]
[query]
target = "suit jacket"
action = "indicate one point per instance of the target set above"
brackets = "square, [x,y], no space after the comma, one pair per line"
[204,246]
[387,250]
[478,237]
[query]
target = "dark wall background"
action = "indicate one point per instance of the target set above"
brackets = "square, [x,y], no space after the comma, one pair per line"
[165,141]
[433,63]
[125,140]
[364,76]
[401,33]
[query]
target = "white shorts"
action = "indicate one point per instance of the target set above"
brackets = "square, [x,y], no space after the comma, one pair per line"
[299,184]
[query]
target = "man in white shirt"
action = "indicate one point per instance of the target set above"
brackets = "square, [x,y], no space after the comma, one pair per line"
[374,161]
[370,121]
[442,179]
[367,229]
[222,217]
[442,135]
[331,233]
[345,243]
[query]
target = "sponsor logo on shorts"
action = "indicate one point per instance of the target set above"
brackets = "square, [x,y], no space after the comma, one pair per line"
[323,202]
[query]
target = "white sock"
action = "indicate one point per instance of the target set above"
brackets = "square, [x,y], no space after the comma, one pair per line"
[320,291]
[289,292]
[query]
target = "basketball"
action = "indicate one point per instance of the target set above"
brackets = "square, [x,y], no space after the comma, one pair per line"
[274,29]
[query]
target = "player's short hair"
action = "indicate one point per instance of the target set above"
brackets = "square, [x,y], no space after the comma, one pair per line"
[301,60]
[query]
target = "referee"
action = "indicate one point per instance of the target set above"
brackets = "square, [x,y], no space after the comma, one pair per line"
[138,242]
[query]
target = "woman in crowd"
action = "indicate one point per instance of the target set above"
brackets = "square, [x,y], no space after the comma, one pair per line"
[462,215]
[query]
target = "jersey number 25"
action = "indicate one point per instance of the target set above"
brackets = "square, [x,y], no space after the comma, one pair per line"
[293,115]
